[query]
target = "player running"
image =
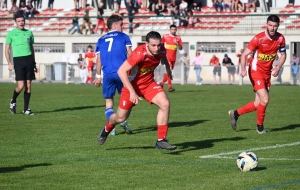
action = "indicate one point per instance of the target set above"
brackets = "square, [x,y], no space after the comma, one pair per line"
[266,44]
[171,42]
[112,50]
[141,65]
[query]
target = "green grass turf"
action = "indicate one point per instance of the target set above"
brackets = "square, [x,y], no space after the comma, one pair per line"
[57,148]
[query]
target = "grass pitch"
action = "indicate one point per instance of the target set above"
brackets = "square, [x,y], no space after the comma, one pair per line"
[57,148]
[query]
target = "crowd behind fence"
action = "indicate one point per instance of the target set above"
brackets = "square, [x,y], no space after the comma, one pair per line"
[61,72]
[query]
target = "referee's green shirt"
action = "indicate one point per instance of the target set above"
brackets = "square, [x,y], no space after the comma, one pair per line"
[20,41]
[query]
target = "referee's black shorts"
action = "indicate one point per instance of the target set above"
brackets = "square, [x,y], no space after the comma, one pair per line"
[24,68]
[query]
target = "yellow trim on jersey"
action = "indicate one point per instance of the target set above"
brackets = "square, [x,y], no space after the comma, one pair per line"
[266,57]
[146,70]
[171,47]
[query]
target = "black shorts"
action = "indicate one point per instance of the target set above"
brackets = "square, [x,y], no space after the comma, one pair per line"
[217,70]
[24,68]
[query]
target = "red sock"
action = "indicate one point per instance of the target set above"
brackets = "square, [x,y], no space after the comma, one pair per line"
[164,79]
[249,107]
[162,131]
[108,127]
[260,114]
[87,79]
[169,82]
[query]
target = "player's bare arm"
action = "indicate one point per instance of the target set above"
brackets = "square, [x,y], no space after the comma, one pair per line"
[122,72]
[243,61]
[276,69]
[98,71]
[129,50]
[33,55]
[7,56]
[165,62]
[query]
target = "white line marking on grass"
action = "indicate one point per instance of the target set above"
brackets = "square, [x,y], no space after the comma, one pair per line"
[251,149]
[278,159]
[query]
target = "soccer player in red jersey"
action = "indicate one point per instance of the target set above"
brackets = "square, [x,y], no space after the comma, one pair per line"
[171,42]
[265,45]
[89,57]
[141,84]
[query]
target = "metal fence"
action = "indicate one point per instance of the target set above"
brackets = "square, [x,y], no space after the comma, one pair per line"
[61,72]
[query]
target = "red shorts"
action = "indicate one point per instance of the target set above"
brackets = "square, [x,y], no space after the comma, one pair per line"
[90,67]
[148,93]
[260,82]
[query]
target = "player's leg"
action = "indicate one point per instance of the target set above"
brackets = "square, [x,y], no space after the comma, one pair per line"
[163,103]
[30,75]
[261,100]
[120,116]
[233,78]
[171,89]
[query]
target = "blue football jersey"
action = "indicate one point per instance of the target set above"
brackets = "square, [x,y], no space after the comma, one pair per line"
[113,50]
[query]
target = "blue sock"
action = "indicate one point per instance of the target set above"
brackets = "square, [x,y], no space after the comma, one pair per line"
[108,112]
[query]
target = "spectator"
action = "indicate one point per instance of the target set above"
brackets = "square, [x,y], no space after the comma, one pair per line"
[82,68]
[78,4]
[30,10]
[37,4]
[236,5]
[230,68]
[184,19]
[214,61]
[21,1]
[192,19]
[75,22]
[275,64]
[50,4]
[152,4]
[198,60]
[291,2]
[245,4]
[131,12]
[159,7]
[218,4]
[86,20]
[172,7]
[252,3]
[100,21]
[196,5]
[227,3]
[22,7]
[14,9]
[2,4]
[110,4]
[295,68]
[185,60]
[183,6]
[175,17]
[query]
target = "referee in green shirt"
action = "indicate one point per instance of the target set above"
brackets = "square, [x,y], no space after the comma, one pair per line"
[21,40]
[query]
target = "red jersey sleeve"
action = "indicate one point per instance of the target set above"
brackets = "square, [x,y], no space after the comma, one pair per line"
[282,44]
[253,44]
[136,57]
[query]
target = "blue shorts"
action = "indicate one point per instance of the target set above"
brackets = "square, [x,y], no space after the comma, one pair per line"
[111,83]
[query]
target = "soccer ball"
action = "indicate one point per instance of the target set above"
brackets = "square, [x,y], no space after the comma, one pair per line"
[247,161]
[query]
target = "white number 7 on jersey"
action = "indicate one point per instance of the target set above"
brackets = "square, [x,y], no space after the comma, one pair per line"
[110,40]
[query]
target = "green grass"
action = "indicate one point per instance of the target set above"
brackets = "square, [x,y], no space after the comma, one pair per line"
[57,148]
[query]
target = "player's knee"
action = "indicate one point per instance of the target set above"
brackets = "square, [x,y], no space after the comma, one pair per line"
[165,104]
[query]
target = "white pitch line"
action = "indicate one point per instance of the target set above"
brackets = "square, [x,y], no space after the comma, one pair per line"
[251,149]
[278,159]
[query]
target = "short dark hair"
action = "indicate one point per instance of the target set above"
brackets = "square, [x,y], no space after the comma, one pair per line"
[273,18]
[90,46]
[19,15]
[153,35]
[173,26]
[113,19]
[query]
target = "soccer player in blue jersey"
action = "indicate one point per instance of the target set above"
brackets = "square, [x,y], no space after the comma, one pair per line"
[112,50]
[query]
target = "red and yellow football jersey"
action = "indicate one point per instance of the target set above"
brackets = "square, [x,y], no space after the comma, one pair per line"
[91,57]
[171,46]
[144,64]
[266,50]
